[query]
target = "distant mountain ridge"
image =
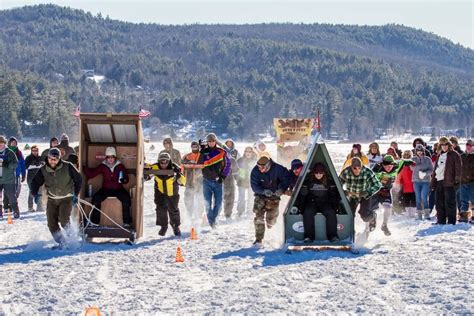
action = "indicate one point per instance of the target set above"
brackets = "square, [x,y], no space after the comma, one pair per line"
[395,42]
[364,78]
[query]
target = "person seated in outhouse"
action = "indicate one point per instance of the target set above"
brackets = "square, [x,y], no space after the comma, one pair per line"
[114,177]
[318,194]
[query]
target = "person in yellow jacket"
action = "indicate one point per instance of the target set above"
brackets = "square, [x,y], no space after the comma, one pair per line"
[356,152]
[167,193]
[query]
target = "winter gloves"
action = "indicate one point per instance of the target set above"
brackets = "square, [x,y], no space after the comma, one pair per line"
[269,193]
[220,179]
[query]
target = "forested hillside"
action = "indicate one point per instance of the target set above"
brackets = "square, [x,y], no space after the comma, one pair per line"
[237,77]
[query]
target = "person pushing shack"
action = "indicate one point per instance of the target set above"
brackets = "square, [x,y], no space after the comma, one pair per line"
[360,185]
[269,180]
[216,167]
[62,182]
[167,193]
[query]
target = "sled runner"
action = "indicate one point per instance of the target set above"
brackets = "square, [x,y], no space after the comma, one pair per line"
[124,132]
[293,223]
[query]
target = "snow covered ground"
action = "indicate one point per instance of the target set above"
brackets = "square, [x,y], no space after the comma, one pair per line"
[420,269]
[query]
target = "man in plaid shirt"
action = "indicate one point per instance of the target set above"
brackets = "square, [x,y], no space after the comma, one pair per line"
[360,185]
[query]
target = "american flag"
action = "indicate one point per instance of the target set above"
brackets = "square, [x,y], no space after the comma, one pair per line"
[143,113]
[77,112]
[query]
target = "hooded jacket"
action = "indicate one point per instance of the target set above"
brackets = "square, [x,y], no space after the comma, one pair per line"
[33,164]
[64,144]
[174,153]
[110,174]
[9,166]
[44,154]
[277,178]
[423,164]
[20,168]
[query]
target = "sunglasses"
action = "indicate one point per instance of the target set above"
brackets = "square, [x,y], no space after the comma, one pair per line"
[356,168]
[444,144]
[164,161]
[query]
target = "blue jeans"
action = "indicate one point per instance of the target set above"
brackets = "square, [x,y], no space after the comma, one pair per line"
[209,189]
[467,194]
[422,190]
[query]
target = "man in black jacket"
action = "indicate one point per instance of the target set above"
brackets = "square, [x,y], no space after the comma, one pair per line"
[62,182]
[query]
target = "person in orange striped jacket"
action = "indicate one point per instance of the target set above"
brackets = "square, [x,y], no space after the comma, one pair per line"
[216,167]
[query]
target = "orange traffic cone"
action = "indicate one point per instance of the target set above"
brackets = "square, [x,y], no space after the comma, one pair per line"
[9,219]
[92,311]
[194,235]
[179,254]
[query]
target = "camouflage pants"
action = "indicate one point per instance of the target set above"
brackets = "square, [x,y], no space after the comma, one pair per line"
[266,211]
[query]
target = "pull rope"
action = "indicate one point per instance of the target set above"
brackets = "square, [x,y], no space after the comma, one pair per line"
[87,217]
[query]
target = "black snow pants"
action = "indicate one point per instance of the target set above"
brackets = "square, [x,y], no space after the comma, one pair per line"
[167,205]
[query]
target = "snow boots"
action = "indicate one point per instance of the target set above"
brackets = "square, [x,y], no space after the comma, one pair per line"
[419,215]
[464,217]
[385,230]
[176,231]
[163,230]
[373,222]
[427,214]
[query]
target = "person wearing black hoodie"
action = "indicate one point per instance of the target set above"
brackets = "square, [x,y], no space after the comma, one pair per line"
[53,142]
[64,147]
[33,163]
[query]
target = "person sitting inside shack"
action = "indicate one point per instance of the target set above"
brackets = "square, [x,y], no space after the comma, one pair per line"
[318,194]
[114,177]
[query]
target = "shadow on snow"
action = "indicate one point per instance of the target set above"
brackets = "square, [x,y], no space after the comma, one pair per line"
[279,257]
[441,229]
[41,250]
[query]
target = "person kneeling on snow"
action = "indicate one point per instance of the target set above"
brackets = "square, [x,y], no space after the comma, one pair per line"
[318,194]
[114,177]
[167,194]
[62,182]
[269,181]
[360,185]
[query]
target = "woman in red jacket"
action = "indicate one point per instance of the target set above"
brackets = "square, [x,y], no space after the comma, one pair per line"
[114,177]
[405,180]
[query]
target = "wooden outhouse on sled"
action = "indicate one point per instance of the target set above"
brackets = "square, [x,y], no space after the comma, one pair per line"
[124,132]
[293,223]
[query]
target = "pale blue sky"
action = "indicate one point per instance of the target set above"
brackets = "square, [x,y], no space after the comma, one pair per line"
[450,19]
